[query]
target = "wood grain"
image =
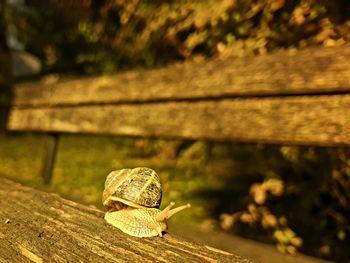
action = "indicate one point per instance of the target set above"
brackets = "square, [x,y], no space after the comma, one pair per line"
[309,71]
[42,227]
[310,120]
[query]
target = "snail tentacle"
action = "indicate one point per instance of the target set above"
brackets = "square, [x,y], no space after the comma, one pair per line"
[168,212]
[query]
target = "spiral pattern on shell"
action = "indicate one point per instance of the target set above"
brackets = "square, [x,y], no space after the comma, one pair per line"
[133,187]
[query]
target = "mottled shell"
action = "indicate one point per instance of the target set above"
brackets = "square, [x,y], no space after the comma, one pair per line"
[137,222]
[133,187]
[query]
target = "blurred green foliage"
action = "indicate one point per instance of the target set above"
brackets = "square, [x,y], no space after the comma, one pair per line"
[106,36]
[5,70]
[301,200]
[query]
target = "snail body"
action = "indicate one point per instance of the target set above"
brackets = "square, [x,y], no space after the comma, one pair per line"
[143,222]
[132,197]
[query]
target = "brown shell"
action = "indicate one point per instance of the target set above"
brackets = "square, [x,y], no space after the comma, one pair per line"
[137,222]
[133,187]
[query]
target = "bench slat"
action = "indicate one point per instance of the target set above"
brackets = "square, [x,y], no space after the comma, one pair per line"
[310,71]
[309,120]
[42,227]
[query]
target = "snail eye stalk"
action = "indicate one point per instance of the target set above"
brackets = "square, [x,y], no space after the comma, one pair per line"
[168,212]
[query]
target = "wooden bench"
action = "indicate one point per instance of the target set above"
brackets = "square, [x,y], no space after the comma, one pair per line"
[40,227]
[288,97]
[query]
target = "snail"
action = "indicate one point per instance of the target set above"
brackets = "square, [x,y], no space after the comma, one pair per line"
[133,197]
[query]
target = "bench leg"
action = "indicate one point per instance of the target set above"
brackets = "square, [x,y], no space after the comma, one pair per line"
[49,157]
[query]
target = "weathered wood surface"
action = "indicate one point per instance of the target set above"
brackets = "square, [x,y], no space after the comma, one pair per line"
[318,120]
[309,71]
[41,227]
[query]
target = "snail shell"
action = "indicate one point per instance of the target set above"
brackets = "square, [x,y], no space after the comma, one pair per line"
[139,187]
[143,222]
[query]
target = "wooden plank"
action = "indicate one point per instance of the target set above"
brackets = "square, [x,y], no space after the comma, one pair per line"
[311,120]
[42,227]
[309,71]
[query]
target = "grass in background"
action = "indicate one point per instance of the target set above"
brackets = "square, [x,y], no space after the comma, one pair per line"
[216,178]
[21,156]
[201,173]
[83,163]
